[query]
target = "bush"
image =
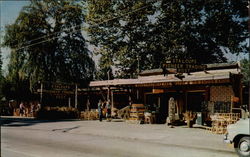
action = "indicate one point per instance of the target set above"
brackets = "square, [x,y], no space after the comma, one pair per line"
[58,113]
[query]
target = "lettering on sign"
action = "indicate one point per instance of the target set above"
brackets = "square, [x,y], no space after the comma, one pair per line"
[183,65]
[60,86]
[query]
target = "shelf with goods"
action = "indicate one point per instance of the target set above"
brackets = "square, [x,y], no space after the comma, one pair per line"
[220,121]
[137,112]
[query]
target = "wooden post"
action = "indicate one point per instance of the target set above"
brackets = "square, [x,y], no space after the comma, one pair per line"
[108,86]
[69,102]
[76,97]
[108,93]
[231,110]
[41,93]
[129,94]
[248,54]
[112,103]
[137,94]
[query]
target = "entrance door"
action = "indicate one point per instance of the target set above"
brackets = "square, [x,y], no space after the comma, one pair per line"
[160,101]
[194,101]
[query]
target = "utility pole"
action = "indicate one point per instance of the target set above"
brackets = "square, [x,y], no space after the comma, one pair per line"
[108,73]
[138,64]
[41,93]
[248,7]
[76,97]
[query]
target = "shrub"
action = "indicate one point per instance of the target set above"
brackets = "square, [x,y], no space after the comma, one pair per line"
[58,113]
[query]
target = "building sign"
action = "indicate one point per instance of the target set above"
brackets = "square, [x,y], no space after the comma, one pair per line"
[183,65]
[61,86]
[157,91]
[59,90]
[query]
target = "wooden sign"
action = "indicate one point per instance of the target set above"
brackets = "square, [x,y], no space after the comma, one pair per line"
[184,65]
[158,91]
[235,99]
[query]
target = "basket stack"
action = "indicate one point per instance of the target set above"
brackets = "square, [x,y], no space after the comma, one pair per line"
[220,121]
[137,112]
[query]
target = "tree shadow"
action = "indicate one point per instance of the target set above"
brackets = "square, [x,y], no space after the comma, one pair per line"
[15,122]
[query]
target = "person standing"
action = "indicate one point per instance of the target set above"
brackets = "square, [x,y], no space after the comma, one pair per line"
[100,110]
[22,109]
[11,109]
[32,109]
[108,105]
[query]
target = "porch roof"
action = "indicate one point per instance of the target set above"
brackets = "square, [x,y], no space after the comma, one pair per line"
[201,77]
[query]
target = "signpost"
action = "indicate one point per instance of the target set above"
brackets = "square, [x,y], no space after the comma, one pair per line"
[59,91]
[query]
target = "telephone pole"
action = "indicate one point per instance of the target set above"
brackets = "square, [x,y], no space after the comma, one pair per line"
[248,7]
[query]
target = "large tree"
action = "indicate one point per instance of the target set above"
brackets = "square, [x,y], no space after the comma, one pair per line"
[1,75]
[146,32]
[47,38]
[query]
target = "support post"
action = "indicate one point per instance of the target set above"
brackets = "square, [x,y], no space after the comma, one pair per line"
[108,73]
[69,102]
[248,7]
[41,93]
[137,94]
[108,93]
[76,97]
[129,94]
[112,103]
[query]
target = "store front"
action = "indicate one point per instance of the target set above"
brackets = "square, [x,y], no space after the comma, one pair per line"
[202,91]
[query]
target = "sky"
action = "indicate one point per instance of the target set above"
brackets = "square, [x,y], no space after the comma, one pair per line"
[9,11]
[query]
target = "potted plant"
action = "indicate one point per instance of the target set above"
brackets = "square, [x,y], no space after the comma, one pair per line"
[190,118]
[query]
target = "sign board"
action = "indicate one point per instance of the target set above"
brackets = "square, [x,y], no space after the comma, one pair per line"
[184,65]
[158,91]
[235,99]
[59,90]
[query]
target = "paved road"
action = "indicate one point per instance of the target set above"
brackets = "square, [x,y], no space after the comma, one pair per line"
[108,139]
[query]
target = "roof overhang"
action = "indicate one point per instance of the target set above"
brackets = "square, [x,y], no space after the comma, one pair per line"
[208,77]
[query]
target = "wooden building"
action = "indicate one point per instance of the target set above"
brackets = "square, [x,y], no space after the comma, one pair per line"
[217,89]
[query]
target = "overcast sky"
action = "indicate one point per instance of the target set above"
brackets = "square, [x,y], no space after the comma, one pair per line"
[9,10]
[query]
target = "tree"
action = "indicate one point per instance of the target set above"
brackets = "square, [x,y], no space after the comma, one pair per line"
[1,63]
[1,76]
[246,71]
[151,31]
[105,66]
[120,37]
[47,39]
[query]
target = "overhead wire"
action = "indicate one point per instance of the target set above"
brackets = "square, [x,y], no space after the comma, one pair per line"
[93,25]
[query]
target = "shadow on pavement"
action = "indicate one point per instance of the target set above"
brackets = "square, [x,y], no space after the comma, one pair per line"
[19,122]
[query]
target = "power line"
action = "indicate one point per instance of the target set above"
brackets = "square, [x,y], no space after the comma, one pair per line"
[94,25]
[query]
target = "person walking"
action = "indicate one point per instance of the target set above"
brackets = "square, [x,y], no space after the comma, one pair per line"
[100,110]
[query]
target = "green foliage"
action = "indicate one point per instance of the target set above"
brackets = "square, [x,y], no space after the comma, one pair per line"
[105,63]
[245,64]
[1,63]
[149,32]
[61,55]
[1,77]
